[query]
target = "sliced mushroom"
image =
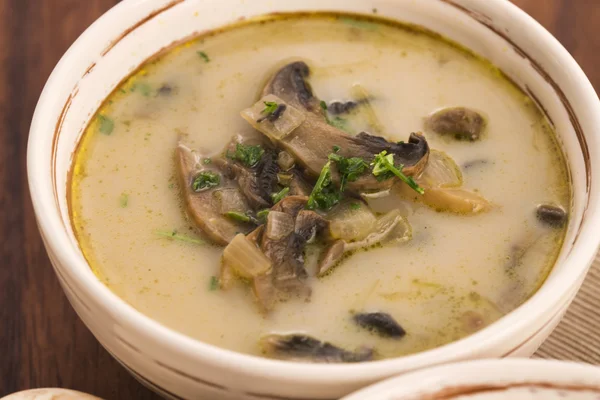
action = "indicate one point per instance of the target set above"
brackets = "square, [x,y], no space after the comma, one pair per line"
[551,215]
[339,107]
[312,140]
[460,122]
[256,182]
[309,225]
[285,249]
[381,323]
[204,204]
[297,347]
[391,227]
[272,256]
[291,205]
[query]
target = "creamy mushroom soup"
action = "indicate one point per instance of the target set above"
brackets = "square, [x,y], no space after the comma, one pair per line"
[320,188]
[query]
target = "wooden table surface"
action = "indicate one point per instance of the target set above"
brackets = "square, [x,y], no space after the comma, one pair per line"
[43,342]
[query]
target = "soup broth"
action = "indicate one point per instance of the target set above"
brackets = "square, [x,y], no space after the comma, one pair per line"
[477,244]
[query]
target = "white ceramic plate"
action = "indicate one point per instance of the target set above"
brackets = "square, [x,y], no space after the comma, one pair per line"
[518,379]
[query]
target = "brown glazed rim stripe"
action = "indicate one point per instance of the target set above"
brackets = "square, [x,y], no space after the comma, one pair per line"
[141,22]
[478,17]
[466,390]
[67,105]
[187,376]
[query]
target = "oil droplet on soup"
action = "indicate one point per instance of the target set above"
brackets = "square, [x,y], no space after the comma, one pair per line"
[355,190]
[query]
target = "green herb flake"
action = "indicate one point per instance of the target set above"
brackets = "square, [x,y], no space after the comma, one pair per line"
[262,215]
[337,122]
[247,154]
[336,149]
[340,123]
[355,206]
[143,88]
[107,125]
[205,180]
[122,90]
[277,197]
[179,237]
[213,283]
[206,161]
[237,216]
[324,194]
[204,56]
[124,200]
[270,107]
[350,169]
[384,168]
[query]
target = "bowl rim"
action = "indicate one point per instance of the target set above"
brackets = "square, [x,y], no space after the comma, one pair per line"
[546,298]
[471,377]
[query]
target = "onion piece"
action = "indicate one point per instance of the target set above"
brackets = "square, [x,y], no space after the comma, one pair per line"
[285,160]
[376,195]
[289,120]
[226,276]
[389,228]
[441,172]
[458,201]
[441,181]
[350,224]
[264,291]
[244,258]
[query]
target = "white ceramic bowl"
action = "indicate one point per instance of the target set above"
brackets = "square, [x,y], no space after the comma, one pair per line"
[184,368]
[516,379]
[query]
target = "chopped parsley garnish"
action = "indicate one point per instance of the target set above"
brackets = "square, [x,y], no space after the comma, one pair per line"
[182,238]
[205,180]
[204,56]
[324,195]
[272,111]
[106,124]
[340,123]
[207,161]
[384,168]
[270,107]
[213,284]
[237,216]
[277,197]
[355,206]
[336,149]
[350,168]
[247,154]
[124,200]
[262,215]
[336,122]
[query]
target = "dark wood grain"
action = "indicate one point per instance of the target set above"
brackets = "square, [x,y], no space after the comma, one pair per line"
[43,342]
